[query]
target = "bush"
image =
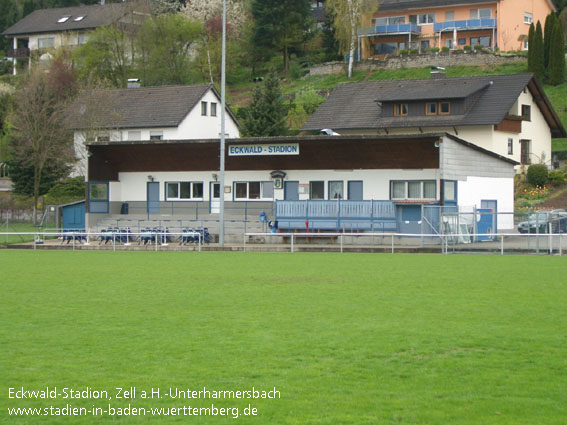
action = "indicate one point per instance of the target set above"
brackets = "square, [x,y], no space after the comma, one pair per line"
[467,48]
[478,47]
[556,177]
[537,175]
[445,49]
[434,49]
[414,51]
[403,52]
[66,190]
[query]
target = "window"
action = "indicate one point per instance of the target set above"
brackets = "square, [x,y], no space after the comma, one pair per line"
[431,109]
[449,16]
[79,18]
[400,109]
[444,108]
[183,190]
[46,42]
[424,45]
[336,190]
[526,112]
[525,152]
[481,13]
[449,191]
[526,45]
[203,108]
[103,137]
[385,48]
[63,19]
[98,197]
[510,146]
[483,41]
[317,190]
[253,190]
[462,42]
[528,18]
[413,190]
[389,20]
[156,135]
[135,135]
[213,109]
[449,43]
[81,39]
[423,19]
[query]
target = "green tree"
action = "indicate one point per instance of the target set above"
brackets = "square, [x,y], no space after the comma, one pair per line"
[281,25]
[330,44]
[164,45]
[538,54]
[556,69]
[531,45]
[267,113]
[348,16]
[40,139]
[107,56]
[548,30]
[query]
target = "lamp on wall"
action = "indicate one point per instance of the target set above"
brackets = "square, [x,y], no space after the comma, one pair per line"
[215,177]
[150,178]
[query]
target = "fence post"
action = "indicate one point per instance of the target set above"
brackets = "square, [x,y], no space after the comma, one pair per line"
[392,243]
[113,241]
[501,244]
[560,247]
[244,244]
[342,237]
[292,242]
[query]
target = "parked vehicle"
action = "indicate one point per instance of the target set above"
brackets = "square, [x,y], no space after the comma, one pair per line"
[539,222]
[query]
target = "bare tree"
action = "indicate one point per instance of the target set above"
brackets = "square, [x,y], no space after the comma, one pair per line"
[40,136]
[348,16]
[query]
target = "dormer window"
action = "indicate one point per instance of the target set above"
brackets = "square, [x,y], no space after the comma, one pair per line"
[438,108]
[400,109]
[79,18]
[63,19]
[431,109]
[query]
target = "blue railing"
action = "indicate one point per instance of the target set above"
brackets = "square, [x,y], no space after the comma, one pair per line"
[326,215]
[465,24]
[391,29]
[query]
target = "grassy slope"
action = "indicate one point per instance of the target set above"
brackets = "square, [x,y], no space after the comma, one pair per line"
[349,339]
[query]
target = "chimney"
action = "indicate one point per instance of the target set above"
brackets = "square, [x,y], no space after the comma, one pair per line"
[133,83]
[437,72]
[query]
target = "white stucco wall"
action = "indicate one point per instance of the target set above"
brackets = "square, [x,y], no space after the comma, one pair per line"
[376,183]
[475,189]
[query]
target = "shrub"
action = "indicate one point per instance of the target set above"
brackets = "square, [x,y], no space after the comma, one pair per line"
[537,175]
[445,49]
[414,51]
[434,49]
[478,47]
[556,177]
[403,52]
[467,48]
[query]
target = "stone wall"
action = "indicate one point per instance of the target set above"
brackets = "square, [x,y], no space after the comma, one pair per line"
[419,61]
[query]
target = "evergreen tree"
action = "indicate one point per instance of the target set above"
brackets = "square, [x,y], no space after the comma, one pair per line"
[548,30]
[538,67]
[556,70]
[531,45]
[267,112]
[281,25]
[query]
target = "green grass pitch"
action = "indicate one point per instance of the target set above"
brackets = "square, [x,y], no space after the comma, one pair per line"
[345,338]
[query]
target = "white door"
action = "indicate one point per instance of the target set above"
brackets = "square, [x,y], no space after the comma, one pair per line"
[215,198]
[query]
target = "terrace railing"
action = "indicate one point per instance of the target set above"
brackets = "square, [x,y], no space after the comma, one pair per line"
[390,29]
[465,24]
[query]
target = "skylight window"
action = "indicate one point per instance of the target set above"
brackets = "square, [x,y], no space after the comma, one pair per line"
[79,18]
[63,19]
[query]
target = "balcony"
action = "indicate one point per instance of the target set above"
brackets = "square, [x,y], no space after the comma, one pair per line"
[397,29]
[22,52]
[471,24]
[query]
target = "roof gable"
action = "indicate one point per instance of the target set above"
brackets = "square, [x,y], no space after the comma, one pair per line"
[352,106]
[78,18]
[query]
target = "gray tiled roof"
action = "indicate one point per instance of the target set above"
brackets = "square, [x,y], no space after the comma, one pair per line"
[45,20]
[354,106]
[163,106]
[395,5]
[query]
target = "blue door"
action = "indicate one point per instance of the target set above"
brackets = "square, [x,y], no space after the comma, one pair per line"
[73,216]
[410,219]
[153,198]
[487,220]
[355,191]
[291,191]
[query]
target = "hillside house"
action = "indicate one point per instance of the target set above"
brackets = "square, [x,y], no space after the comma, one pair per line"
[148,114]
[66,27]
[509,115]
[423,24]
